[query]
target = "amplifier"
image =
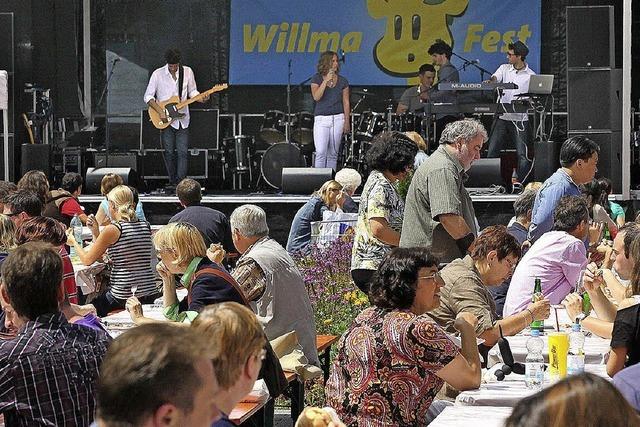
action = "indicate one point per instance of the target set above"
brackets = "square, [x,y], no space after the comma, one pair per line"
[76,159]
[116,160]
[153,166]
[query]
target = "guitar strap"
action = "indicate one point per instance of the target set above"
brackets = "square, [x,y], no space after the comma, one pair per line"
[180,81]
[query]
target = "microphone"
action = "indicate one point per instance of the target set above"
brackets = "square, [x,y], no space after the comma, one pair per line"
[475,61]
[116,59]
[343,56]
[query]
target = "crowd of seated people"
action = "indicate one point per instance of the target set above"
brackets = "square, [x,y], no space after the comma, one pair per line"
[59,366]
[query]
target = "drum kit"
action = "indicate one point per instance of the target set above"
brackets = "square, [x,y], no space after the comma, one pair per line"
[240,154]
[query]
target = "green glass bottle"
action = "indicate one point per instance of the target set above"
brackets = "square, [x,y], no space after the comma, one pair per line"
[586,303]
[606,235]
[537,296]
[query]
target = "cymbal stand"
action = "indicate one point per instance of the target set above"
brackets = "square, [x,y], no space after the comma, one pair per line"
[352,158]
[287,123]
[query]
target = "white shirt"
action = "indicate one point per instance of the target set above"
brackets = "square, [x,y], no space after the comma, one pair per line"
[162,86]
[507,73]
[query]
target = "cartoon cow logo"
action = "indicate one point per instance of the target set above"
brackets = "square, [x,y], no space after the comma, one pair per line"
[412,26]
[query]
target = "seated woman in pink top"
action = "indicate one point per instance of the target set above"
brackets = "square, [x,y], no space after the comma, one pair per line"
[557,258]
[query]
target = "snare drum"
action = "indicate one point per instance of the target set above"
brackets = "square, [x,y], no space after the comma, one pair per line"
[302,132]
[370,125]
[238,152]
[407,122]
[272,129]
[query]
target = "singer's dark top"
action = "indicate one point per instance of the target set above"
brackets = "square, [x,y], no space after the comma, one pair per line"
[331,101]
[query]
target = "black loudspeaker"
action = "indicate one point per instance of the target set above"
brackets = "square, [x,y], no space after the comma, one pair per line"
[94,178]
[610,156]
[590,37]
[594,99]
[304,180]
[35,157]
[116,160]
[547,159]
[485,173]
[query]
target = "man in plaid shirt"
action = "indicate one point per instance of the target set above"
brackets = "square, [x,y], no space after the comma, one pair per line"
[48,372]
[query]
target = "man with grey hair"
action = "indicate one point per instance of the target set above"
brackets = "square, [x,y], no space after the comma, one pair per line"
[438,212]
[271,281]
[350,179]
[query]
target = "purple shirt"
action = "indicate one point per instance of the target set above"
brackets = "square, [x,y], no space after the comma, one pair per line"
[627,382]
[557,258]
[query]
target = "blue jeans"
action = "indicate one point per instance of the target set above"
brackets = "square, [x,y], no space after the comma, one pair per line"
[505,130]
[176,140]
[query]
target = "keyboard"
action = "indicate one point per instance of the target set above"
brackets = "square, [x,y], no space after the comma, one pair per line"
[476,86]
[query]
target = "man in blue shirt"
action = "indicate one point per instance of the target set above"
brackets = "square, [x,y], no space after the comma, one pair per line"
[579,164]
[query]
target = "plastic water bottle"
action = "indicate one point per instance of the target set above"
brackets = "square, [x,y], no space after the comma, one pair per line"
[534,363]
[76,225]
[575,358]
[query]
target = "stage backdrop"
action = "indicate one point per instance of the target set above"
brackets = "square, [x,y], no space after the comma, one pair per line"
[384,41]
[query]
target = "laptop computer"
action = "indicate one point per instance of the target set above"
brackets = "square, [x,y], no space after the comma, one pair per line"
[541,84]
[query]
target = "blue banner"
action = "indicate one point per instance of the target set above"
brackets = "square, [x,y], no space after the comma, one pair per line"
[384,41]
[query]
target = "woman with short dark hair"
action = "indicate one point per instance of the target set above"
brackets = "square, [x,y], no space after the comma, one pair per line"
[395,342]
[390,158]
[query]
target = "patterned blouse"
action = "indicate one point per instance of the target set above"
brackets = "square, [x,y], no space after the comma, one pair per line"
[384,372]
[380,199]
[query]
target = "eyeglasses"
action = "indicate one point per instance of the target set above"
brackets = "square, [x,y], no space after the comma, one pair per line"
[161,250]
[12,214]
[511,264]
[434,276]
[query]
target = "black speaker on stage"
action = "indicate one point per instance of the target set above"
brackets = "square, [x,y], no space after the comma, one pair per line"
[485,173]
[94,178]
[35,157]
[547,159]
[594,99]
[116,160]
[304,180]
[590,37]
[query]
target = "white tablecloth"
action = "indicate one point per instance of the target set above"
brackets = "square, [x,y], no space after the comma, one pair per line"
[86,276]
[461,416]
[509,391]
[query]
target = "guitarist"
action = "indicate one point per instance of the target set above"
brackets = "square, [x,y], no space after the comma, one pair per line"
[164,84]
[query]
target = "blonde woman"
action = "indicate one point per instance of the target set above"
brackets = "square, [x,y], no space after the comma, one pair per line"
[240,343]
[181,250]
[108,183]
[127,242]
[328,197]
[330,92]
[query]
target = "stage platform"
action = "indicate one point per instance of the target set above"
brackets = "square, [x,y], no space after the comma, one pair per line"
[490,209]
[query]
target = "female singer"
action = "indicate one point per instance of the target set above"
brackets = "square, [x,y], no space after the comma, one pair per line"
[331,93]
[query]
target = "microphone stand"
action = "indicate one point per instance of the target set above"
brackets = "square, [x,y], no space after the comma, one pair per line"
[92,126]
[467,63]
[287,124]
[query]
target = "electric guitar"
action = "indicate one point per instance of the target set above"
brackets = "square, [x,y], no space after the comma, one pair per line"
[172,106]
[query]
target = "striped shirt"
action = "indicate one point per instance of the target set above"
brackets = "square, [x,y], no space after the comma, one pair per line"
[48,373]
[131,256]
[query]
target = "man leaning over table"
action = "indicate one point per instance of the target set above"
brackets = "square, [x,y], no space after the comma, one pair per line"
[618,266]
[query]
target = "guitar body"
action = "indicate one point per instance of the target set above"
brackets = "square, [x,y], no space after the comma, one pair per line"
[173,106]
[170,106]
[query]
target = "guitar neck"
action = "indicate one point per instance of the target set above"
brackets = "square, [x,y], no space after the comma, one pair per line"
[214,89]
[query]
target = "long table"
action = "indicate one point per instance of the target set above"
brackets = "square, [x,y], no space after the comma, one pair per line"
[485,416]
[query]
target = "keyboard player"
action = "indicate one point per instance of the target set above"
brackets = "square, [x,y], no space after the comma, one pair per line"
[513,129]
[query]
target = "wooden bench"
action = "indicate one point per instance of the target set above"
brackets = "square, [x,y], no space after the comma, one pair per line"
[323,344]
[243,411]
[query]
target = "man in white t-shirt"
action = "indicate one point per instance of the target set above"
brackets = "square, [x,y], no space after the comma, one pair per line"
[513,126]
[163,84]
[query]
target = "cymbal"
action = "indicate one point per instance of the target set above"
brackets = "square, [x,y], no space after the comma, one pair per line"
[363,92]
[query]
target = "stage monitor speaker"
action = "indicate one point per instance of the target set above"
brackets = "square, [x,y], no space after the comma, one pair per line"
[590,37]
[35,157]
[610,156]
[594,100]
[547,159]
[304,180]
[203,130]
[485,173]
[116,160]
[94,178]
